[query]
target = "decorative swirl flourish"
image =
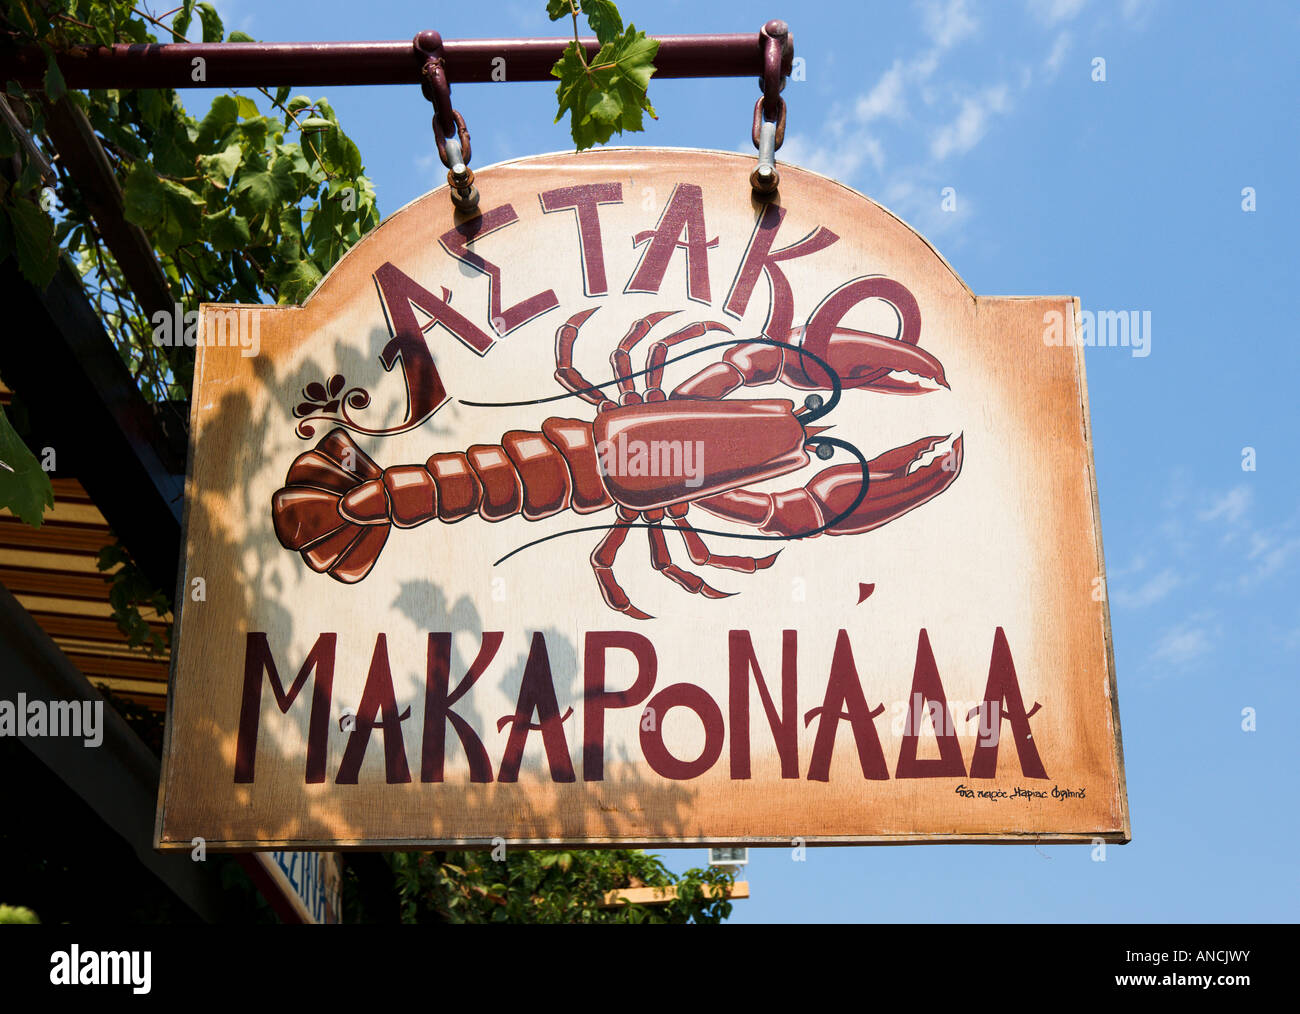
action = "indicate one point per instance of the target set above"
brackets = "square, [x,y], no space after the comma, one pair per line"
[329,403]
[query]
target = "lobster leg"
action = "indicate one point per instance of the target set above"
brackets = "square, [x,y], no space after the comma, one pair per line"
[565,372]
[621,359]
[703,557]
[602,564]
[662,561]
[659,353]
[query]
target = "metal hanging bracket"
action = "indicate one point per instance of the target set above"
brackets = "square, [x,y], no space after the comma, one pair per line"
[768,130]
[769,111]
[449,130]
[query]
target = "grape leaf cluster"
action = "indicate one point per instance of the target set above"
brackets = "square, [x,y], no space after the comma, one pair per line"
[608,94]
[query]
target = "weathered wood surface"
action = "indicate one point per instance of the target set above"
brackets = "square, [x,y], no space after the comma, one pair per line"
[1001,570]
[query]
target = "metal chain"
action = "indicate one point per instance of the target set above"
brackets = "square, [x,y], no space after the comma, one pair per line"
[449,130]
[769,111]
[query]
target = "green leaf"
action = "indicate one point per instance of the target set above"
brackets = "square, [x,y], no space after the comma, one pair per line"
[572,72]
[184,15]
[557,9]
[169,212]
[222,166]
[633,54]
[213,30]
[225,230]
[608,96]
[54,86]
[223,115]
[604,19]
[256,130]
[29,180]
[294,280]
[343,153]
[110,556]
[172,149]
[240,37]
[247,107]
[25,489]
[33,242]
[259,189]
[293,165]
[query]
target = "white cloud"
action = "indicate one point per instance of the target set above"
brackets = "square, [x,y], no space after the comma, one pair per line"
[886,98]
[1138,565]
[1053,12]
[1186,642]
[839,158]
[970,124]
[1230,507]
[913,99]
[1269,552]
[918,200]
[1056,58]
[1156,588]
[1246,555]
[1138,12]
[949,23]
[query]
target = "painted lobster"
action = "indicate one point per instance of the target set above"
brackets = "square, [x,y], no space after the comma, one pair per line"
[337,506]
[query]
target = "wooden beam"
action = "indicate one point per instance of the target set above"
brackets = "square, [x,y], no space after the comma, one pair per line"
[58,583]
[663,895]
[81,398]
[19,130]
[119,778]
[79,149]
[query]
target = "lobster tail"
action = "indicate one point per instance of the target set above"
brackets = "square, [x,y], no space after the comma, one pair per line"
[307,511]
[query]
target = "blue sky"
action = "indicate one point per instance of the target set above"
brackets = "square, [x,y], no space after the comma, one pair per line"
[1126,193]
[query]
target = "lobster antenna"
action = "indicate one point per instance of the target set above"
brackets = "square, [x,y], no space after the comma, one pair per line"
[817,440]
[815,414]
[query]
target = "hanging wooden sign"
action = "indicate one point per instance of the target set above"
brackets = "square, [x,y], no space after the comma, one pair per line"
[549,525]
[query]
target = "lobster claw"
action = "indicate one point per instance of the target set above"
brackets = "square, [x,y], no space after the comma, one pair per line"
[897,484]
[860,359]
[864,361]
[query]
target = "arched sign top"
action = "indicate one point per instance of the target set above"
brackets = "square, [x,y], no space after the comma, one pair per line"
[633,510]
[612,160]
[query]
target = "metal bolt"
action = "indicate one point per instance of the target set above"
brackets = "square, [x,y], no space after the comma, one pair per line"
[464,195]
[765,179]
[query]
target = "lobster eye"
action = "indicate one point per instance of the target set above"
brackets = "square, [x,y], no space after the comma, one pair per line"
[813,402]
[824,451]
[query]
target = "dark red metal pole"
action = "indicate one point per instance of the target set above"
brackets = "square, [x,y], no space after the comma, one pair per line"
[315,64]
